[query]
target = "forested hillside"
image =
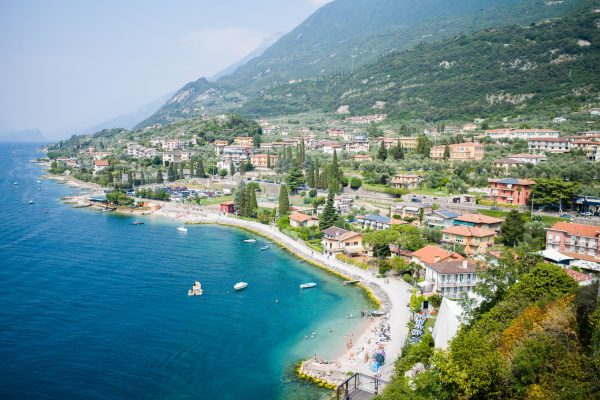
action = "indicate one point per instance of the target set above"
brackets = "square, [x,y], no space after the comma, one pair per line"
[547,66]
[342,37]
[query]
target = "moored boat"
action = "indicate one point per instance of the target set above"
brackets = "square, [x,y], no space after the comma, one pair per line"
[264,248]
[350,282]
[182,229]
[196,290]
[30,201]
[308,285]
[240,285]
[250,241]
[136,222]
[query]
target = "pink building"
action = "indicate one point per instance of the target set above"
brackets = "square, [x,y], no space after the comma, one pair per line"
[511,190]
[574,240]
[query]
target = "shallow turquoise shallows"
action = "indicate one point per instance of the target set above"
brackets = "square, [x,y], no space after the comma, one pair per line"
[92,307]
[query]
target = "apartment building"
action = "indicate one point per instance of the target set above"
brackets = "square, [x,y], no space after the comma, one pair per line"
[511,190]
[548,145]
[459,151]
[475,240]
[578,241]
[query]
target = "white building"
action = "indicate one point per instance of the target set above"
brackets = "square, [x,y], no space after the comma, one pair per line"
[548,145]
[521,133]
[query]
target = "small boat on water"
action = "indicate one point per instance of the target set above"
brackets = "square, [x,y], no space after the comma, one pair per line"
[39,181]
[240,285]
[350,282]
[136,222]
[250,241]
[15,183]
[264,248]
[30,201]
[308,285]
[196,290]
[182,229]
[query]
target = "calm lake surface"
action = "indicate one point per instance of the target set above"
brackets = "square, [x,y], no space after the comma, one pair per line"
[94,307]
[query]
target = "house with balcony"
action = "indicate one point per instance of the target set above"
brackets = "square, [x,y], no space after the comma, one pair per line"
[578,241]
[479,221]
[177,156]
[459,151]
[373,222]
[100,165]
[340,241]
[441,218]
[299,220]
[548,145]
[244,140]
[262,160]
[525,134]
[412,211]
[362,157]
[406,181]
[474,240]
[445,272]
[511,190]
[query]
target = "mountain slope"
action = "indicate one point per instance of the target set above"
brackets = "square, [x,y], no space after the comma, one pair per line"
[266,43]
[551,65]
[356,32]
[347,34]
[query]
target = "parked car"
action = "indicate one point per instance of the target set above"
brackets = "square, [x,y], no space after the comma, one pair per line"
[567,216]
[495,208]
[416,200]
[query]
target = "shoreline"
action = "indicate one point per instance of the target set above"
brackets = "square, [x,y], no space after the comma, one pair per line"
[391,295]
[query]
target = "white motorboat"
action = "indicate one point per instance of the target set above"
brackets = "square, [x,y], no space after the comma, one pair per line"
[196,290]
[308,285]
[240,285]
[250,241]
[39,181]
[264,248]
[30,201]
[15,183]
[182,229]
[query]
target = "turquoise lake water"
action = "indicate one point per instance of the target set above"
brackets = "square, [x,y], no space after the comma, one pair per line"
[93,307]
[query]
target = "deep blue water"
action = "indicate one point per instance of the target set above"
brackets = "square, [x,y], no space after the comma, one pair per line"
[93,307]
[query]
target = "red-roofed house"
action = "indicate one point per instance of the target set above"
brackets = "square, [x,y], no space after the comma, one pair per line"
[511,190]
[100,165]
[299,220]
[479,221]
[446,272]
[337,240]
[574,240]
[475,240]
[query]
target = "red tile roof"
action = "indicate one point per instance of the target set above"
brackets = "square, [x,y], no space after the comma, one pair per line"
[429,253]
[576,229]
[468,231]
[299,217]
[101,163]
[478,219]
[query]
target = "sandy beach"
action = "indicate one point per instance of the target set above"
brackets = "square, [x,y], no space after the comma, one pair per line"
[385,333]
[393,293]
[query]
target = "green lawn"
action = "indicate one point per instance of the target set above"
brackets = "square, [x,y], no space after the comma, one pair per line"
[215,200]
[547,220]
[431,192]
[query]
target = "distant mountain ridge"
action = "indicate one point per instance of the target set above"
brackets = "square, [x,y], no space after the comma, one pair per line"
[551,66]
[25,135]
[345,35]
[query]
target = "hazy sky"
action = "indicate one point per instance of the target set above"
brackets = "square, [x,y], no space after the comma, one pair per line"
[67,65]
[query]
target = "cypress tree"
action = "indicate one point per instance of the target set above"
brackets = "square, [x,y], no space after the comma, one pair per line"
[252,203]
[159,177]
[382,152]
[240,198]
[269,159]
[200,170]
[289,153]
[171,173]
[231,168]
[328,216]
[335,168]
[310,181]
[446,152]
[181,165]
[295,176]
[284,201]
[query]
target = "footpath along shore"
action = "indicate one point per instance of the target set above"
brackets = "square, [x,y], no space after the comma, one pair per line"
[393,294]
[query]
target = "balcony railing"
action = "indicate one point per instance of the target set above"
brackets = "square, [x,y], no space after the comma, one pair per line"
[359,386]
[470,282]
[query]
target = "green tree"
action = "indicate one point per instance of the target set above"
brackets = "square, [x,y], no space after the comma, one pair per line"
[553,191]
[200,169]
[355,183]
[310,179]
[284,201]
[328,216]
[159,177]
[252,203]
[336,173]
[446,152]
[269,159]
[380,241]
[231,169]
[382,152]
[240,199]
[396,152]
[295,177]
[512,228]
[171,173]
[423,146]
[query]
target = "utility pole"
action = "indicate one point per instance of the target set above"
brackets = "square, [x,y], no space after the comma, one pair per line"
[532,200]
